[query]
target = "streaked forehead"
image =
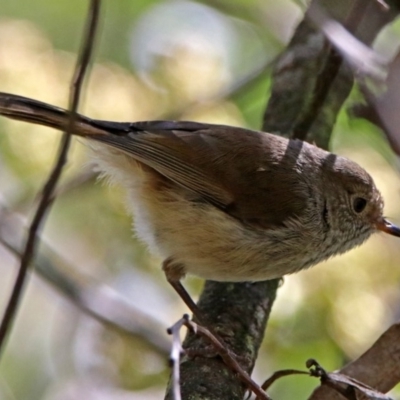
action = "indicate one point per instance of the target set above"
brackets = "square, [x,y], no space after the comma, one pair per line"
[352,173]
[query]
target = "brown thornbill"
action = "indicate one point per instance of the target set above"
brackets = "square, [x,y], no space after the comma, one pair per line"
[226,203]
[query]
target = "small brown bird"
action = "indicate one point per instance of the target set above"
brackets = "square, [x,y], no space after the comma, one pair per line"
[225,203]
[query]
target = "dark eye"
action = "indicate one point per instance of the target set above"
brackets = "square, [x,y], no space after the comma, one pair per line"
[359,204]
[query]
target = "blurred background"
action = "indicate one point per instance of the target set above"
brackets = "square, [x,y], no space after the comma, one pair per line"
[205,61]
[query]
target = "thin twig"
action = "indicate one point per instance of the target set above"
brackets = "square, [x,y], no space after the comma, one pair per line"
[228,359]
[175,356]
[49,187]
[280,374]
[379,366]
[220,348]
[343,384]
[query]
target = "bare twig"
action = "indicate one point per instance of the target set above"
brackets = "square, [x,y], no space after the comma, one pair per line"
[221,350]
[228,358]
[175,356]
[49,187]
[280,374]
[379,366]
[347,386]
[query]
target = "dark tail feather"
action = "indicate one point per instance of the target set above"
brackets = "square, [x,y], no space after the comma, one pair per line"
[37,112]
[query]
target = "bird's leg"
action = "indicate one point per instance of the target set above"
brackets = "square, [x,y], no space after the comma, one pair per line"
[174,273]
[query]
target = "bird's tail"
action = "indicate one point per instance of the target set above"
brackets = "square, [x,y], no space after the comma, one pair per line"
[37,112]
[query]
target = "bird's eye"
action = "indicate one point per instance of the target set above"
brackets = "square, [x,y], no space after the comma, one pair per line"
[359,204]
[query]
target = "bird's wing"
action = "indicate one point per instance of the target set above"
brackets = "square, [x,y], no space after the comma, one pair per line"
[231,168]
[250,175]
[172,156]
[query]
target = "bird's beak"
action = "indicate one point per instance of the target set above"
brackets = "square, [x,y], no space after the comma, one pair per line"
[385,226]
